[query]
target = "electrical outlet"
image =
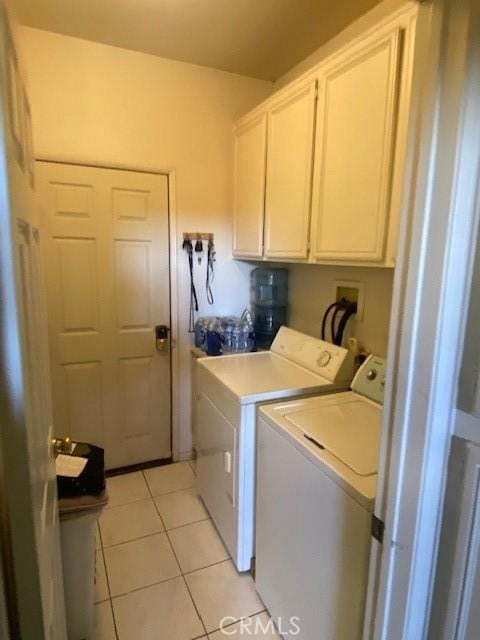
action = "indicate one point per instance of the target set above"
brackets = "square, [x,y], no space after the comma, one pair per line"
[351,291]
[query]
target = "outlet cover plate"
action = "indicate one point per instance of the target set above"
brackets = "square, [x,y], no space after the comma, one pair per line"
[345,288]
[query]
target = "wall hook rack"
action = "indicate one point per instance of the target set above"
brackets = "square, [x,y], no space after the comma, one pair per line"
[197,235]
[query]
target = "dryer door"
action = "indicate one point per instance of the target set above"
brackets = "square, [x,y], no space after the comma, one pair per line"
[216,468]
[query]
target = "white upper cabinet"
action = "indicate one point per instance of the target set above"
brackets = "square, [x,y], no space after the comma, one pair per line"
[289,172]
[249,187]
[320,165]
[355,141]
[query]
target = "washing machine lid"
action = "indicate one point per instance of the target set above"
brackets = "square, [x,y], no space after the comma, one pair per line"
[350,430]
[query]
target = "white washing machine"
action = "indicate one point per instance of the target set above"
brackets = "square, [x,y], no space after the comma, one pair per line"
[229,389]
[317,463]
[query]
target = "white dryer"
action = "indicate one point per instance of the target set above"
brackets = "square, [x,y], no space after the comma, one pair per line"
[317,463]
[229,389]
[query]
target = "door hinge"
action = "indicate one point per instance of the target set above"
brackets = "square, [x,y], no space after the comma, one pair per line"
[377,528]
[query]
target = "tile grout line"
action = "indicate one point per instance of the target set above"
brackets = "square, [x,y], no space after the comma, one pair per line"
[151,496]
[169,493]
[188,524]
[148,535]
[108,581]
[179,565]
[147,586]
[155,533]
[126,504]
[194,605]
[154,584]
[207,566]
[162,531]
[182,574]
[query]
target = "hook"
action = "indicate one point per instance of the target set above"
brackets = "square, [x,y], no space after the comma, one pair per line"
[199,249]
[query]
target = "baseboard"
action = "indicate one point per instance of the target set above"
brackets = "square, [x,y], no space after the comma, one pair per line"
[138,467]
[184,457]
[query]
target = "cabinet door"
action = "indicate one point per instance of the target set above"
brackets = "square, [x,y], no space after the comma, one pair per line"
[355,137]
[249,187]
[289,173]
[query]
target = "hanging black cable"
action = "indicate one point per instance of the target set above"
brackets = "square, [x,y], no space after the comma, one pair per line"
[348,308]
[325,318]
[188,247]
[340,307]
[210,270]
[199,250]
[351,309]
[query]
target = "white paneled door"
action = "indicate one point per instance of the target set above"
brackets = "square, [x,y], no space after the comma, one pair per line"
[31,589]
[108,287]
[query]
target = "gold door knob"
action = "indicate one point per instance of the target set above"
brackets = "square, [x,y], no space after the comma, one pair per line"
[62,445]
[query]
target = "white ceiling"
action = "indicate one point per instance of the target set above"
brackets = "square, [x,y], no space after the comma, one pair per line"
[258,38]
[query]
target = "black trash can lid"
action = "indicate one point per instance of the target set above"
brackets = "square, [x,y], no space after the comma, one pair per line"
[91,481]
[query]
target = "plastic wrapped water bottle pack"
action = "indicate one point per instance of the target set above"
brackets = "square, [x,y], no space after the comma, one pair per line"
[225,334]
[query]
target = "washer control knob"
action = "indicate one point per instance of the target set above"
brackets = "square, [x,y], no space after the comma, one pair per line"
[324,358]
[371,374]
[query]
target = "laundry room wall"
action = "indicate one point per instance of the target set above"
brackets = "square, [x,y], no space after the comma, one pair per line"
[311,290]
[98,104]
[368,20]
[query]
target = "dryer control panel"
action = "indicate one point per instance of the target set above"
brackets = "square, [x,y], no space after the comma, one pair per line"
[322,358]
[370,379]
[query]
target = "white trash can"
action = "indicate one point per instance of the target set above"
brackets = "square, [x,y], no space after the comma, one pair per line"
[78,518]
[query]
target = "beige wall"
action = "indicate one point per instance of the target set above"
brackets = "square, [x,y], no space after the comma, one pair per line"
[98,104]
[367,21]
[311,291]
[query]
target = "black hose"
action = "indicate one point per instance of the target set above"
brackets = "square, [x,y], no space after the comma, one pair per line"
[340,307]
[325,317]
[350,310]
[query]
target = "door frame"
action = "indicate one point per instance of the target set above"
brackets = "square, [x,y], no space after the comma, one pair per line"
[438,230]
[173,280]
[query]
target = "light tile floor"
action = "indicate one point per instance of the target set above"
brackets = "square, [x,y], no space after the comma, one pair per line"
[163,572]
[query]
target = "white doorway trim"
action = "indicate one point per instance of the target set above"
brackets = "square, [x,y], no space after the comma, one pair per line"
[431,289]
[172,216]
